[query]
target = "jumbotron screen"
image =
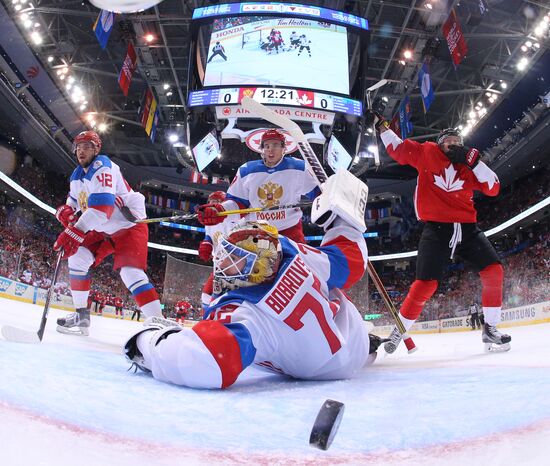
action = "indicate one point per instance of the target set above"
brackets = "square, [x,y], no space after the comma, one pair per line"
[273,51]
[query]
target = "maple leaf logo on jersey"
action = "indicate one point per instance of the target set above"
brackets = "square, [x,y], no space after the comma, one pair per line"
[269,194]
[449,181]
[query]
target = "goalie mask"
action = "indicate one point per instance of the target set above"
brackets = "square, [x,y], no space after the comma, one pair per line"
[250,254]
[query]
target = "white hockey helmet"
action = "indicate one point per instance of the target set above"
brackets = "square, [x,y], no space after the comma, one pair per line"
[248,255]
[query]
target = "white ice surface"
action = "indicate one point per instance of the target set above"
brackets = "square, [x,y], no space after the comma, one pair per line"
[69,400]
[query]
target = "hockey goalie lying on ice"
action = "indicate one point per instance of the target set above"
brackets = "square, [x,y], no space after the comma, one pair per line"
[277,303]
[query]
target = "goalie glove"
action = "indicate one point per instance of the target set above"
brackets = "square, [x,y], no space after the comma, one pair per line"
[465,155]
[344,196]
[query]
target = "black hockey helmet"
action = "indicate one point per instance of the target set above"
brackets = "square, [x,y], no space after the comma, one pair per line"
[446,133]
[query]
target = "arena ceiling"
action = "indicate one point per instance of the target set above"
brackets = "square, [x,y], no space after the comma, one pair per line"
[494,38]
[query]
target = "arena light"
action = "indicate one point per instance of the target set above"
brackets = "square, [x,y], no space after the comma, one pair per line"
[503,84]
[173,138]
[50,59]
[166,86]
[522,63]
[36,37]
[102,127]
[408,54]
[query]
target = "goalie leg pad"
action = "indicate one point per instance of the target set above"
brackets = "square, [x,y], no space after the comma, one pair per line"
[345,196]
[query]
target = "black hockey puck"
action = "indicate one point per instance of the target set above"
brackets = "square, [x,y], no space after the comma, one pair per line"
[326,424]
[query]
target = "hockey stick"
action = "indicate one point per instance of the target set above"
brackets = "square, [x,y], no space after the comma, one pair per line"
[369,107]
[24,336]
[318,172]
[175,218]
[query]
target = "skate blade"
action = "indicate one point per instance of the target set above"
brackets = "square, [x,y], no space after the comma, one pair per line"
[493,348]
[77,331]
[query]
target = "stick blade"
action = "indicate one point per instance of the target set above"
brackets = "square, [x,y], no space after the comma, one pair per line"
[19,335]
[260,110]
[380,83]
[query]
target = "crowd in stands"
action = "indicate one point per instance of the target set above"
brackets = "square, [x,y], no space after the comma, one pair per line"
[27,235]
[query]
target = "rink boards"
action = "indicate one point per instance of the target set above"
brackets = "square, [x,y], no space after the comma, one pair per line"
[523,315]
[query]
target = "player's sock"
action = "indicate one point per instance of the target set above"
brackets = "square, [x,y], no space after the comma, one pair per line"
[492,278]
[142,290]
[420,292]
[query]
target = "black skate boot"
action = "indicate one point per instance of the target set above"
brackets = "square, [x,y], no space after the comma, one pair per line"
[393,341]
[76,323]
[494,340]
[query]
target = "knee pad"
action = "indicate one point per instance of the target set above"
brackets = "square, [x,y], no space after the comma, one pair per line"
[82,260]
[132,276]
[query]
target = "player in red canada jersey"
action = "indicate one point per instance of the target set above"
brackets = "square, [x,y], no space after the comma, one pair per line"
[448,175]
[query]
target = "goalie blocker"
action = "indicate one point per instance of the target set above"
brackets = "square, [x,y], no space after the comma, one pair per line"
[343,195]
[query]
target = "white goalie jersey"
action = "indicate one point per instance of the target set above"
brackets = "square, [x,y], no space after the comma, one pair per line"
[301,324]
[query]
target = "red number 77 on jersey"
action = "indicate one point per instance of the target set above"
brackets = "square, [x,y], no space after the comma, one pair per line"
[106,180]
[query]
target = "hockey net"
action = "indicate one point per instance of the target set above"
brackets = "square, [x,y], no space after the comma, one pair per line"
[183,280]
[252,39]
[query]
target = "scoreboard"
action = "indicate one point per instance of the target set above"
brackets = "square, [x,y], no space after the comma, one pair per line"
[276,96]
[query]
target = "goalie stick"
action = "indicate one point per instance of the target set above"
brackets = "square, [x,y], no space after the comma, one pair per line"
[24,336]
[369,107]
[176,218]
[316,169]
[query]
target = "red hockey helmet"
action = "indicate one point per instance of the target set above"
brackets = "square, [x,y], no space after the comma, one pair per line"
[216,197]
[272,134]
[87,136]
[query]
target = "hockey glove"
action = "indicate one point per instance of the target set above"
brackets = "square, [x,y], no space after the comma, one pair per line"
[69,240]
[465,155]
[378,120]
[65,214]
[205,250]
[207,214]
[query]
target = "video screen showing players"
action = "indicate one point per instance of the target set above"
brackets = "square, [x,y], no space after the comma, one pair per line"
[278,52]
[206,151]
[336,156]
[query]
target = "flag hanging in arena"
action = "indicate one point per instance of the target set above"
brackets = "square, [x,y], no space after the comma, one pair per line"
[405,114]
[146,106]
[127,70]
[425,85]
[154,127]
[103,26]
[455,38]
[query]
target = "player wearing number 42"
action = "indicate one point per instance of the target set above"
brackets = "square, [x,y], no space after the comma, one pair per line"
[281,304]
[96,227]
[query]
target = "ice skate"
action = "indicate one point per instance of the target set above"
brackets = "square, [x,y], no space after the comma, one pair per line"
[393,341]
[76,323]
[494,340]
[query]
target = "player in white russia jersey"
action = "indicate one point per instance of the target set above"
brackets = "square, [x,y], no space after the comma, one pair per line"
[274,180]
[281,304]
[99,191]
